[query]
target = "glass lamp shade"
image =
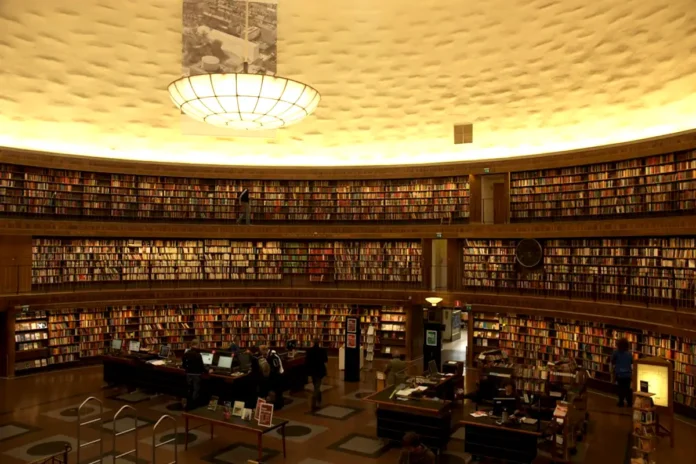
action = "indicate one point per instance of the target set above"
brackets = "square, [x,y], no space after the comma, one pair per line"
[244,101]
[433,300]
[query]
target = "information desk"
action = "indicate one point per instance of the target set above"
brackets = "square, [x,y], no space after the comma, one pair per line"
[430,419]
[170,379]
[485,438]
[203,414]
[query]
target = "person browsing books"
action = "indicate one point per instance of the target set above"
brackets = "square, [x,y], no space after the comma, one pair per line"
[622,371]
[245,206]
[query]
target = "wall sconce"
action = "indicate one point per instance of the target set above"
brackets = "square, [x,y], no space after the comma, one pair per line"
[433,300]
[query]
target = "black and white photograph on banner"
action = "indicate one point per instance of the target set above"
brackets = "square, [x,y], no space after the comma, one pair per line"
[218,37]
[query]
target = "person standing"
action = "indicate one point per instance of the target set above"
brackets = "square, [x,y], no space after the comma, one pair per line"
[395,367]
[275,377]
[245,206]
[316,368]
[192,362]
[622,371]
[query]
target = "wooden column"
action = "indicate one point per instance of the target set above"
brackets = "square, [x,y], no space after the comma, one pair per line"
[454,265]
[427,244]
[15,264]
[475,212]
[7,344]
[414,331]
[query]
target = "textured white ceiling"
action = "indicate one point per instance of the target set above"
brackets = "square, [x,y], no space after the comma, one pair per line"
[89,77]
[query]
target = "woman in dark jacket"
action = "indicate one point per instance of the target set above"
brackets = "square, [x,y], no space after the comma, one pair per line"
[316,368]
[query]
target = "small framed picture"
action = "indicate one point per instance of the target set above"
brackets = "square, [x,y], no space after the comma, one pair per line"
[238,408]
[247,414]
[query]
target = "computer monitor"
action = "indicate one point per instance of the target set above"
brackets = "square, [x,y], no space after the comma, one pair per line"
[207,358]
[225,362]
[432,367]
[164,351]
[134,345]
[116,344]
[499,404]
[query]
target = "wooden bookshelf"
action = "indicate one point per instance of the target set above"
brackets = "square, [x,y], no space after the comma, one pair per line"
[69,335]
[659,271]
[31,340]
[33,191]
[531,342]
[664,184]
[64,261]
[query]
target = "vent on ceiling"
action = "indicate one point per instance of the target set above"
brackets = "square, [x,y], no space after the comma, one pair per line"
[463,133]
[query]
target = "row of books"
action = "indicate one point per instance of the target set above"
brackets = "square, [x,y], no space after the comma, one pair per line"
[215,325]
[532,342]
[25,190]
[57,261]
[639,268]
[638,186]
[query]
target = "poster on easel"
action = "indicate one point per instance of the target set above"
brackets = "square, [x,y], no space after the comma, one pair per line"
[266,415]
[257,410]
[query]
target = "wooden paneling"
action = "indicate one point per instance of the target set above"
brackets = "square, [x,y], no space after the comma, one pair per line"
[500,201]
[663,226]
[454,264]
[427,265]
[15,264]
[415,331]
[7,344]
[647,147]
[475,196]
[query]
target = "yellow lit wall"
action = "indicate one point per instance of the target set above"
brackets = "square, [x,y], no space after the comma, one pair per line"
[89,77]
[658,382]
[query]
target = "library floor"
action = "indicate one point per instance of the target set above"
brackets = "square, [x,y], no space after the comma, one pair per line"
[38,414]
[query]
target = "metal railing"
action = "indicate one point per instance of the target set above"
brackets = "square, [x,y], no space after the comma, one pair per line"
[99,420]
[133,430]
[171,440]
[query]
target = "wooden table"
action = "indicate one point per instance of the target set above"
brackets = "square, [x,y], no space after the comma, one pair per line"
[213,418]
[484,437]
[432,420]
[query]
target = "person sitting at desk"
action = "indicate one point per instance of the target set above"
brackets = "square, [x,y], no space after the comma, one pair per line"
[396,366]
[414,452]
[510,392]
[192,362]
[486,391]
[233,348]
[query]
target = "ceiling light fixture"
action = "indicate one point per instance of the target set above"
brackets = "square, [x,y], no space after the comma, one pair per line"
[244,101]
[433,300]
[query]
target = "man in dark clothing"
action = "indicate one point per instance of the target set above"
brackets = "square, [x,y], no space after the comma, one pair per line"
[316,368]
[414,452]
[256,379]
[275,378]
[245,206]
[622,371]
[233,348]
[192,362]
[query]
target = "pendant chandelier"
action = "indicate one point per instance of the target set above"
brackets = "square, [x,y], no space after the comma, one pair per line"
[244,101]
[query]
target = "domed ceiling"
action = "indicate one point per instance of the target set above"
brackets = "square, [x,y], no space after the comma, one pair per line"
[89,77]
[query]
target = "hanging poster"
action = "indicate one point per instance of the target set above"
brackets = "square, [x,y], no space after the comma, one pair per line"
[352,325]
[431,337]
[216,38]
[352,341]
